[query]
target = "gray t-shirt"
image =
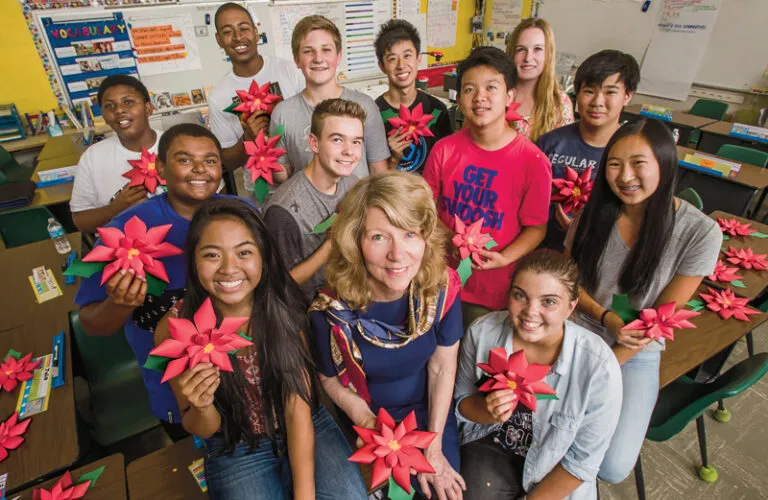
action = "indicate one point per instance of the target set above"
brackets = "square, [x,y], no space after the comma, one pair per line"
[296,114]
[292,211]
[692,251]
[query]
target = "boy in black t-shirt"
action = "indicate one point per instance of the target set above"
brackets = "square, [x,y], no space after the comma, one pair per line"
[398,49]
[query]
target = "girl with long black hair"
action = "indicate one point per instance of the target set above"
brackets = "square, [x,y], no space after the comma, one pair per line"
[635,238]
[266,437]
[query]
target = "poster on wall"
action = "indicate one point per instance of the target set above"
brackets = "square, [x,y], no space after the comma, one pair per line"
[88,51]
[164,44]
[505,15]
[679,42]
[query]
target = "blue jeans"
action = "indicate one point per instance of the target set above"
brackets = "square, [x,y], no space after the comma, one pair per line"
[263,476]
[640,376]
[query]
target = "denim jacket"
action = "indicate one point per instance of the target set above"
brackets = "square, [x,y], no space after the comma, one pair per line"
[574,430]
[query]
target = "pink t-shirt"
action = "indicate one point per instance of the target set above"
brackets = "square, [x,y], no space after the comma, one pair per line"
[509,188]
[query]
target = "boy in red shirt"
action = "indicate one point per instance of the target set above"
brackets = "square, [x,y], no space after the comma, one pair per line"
[488,171]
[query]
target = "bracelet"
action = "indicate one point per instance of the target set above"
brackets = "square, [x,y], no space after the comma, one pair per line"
[602,318]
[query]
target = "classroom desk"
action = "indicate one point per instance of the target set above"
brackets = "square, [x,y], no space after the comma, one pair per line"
[729,194]
[39,141]
[109,486]
[694,346]
[17,300]
[165,473]
[755,281]
[62,146]
[57,193]
[715,135]
[684,123]
[50,444]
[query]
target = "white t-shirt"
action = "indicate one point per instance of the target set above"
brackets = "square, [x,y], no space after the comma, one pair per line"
[99,174]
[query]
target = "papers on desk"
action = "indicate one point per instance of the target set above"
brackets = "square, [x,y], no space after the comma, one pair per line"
[56,176]
[716,165]
[44,284]
[197,468]
[36,392]
[659,112]
[750,132]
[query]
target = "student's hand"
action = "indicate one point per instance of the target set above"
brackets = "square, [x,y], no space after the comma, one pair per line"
[634,339]
[490,260]
[257,121]
[501,404]
[562,217]
[448,484]
[199,384]
[126,289]
[128,197]
[397,145]
[367,422]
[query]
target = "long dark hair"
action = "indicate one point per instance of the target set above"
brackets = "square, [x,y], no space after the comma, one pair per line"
[278,320]
[604,207]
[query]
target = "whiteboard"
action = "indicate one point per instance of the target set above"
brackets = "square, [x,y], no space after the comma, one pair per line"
[735,58]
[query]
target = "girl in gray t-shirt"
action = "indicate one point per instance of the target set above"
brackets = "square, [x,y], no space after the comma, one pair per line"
[634,237]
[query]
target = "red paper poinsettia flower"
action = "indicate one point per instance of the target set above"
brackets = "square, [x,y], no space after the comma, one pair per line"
[256,99]
[10,434]
[662,323]
[724,273]
[13,371]
[745,258]
[734,227]
[413,124]
[469,240]
[200,342]
[63,490]
[138,249]
[515,373]
[262,157]
[512,114]
[727,304]
[394,450]
[144,172]
[573,191]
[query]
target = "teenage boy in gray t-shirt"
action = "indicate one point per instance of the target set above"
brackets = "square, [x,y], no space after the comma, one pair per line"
[311,195]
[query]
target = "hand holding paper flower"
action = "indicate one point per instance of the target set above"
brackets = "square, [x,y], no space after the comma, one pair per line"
[256,99]
[745,258]
[726,304]
[144,172]
[662,323]
[515,373]
[573,191]
[469,239]
[413,123]
[200,342]
[13,371]
[262,162]
[11,434]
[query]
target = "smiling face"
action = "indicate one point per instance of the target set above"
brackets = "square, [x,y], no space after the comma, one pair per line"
[192,169]
[228,262]
[236,34]
[530,54]
[392,256]
[126,112]
[484,96]
[340,145]
[601,104]
[632,170]
[539,304]
[401,64]
[318,57]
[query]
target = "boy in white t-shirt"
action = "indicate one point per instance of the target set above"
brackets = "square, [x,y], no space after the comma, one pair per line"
[100,191]
[238,36]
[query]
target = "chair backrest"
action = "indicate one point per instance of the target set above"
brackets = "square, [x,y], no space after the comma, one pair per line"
[23,226]
[101,356]
[744,155]
[691,196]
[709,109]
[6,158]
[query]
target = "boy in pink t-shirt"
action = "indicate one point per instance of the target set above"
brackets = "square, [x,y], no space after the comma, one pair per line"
[487,170]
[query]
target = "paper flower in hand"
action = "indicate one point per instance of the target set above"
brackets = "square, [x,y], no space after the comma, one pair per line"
[62,490]
[144,172]
[512,114]
[413,124]
[262,157]
[393,449]
[727,304]
[735,228]
[200,342]
[138,249]
[13,371]
[515,373]
[10,434]
[662,322]
[469,239]
[256,99]
[724,273]
[745,258]
[573,191]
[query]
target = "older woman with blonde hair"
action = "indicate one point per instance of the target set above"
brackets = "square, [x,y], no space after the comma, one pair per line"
[387,328]
[544,106]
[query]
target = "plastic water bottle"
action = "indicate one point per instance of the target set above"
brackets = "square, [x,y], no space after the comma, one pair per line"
[56,232]
[676,135]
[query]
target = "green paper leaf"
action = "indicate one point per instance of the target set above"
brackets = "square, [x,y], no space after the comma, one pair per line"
[231,107]
[738,284]
[726,237]
[325,225]
[156,363]
[93,476]
[490,245]
[246,337]
[435,113]
[620,305]
[697,308]
[465,270]
[280,130]
[544,397]
[759,235]
[155,286]
[84,269]
[386,115]
[694,303]
[261,189]
[395,492]
[12,353]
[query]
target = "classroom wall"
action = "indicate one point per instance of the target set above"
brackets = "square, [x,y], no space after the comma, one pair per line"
[23,82]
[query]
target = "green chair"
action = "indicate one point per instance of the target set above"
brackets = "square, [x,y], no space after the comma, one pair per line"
[685,400]
[746,155]
[24,225]
[11,170]
[709,109]
[691,196]
[118,399]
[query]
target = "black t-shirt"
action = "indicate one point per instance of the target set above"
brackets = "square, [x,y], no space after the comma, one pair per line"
[516,434]
[415,156]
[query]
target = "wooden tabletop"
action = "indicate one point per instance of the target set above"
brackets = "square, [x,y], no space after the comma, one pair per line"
[17,300]
[57,193]
[109,486]
[678,117]
[749,175]
[721,128]
[38,141]
[694,346]
[62,146]
[165,473]
[50,444]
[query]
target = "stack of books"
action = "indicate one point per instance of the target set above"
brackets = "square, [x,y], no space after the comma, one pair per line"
[11,127]
[659,112]
[750,132]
